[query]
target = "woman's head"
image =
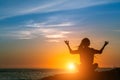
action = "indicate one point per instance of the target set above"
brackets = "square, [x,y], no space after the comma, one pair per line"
[85,42]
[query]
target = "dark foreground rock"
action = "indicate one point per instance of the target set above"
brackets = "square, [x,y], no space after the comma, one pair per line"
[113,74]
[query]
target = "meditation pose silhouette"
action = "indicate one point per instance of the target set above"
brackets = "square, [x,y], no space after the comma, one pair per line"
[86,53]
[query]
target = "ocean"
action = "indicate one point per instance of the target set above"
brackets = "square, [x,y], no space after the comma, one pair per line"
[29,74]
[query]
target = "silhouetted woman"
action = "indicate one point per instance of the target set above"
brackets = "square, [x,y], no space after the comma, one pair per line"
[86,53]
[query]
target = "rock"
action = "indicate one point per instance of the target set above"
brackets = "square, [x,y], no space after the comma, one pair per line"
[104,75]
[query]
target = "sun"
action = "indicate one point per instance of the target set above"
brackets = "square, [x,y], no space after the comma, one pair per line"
[71,67]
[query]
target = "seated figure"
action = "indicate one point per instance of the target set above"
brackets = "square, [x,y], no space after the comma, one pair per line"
[86,54]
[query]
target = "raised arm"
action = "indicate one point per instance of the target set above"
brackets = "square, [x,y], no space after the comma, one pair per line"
[101,50]
[70,50]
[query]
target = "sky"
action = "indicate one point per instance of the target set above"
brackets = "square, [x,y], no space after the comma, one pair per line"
[32,32]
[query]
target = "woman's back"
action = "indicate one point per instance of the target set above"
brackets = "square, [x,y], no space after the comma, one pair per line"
[87,55]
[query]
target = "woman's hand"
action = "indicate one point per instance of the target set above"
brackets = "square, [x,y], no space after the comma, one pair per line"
[66,42]
[106,42]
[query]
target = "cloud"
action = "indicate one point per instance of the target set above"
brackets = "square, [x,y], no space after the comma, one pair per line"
[18,35]
[117,30]
[18,8]
[42,7]
[50,25]
[35,30]
[45,7]
[54,33]
[50,31]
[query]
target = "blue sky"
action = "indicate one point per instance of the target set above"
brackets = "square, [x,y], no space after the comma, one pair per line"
[20,16]
[52,21]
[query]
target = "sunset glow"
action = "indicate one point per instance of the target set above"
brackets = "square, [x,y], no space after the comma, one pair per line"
[32,33]
[71,66]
